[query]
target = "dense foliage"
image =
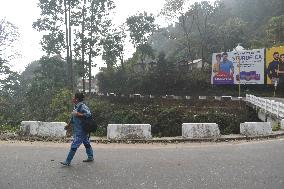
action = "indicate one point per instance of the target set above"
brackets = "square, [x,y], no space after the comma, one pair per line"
[166,116]
[196,31]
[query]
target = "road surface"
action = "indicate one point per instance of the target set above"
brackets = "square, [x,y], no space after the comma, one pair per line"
[241,165]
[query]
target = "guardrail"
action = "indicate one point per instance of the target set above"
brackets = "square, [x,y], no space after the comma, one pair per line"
[271,106]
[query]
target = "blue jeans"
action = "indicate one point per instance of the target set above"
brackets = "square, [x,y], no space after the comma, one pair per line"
[78,140]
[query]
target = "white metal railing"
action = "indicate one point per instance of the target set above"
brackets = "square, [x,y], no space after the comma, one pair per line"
[271,106]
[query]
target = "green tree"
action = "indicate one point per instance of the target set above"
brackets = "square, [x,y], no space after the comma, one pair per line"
[231,33]
[61,18]
[113,48]
[9,35]
[94,25]
[141,26]
[61,105]
[56,24]
[203,13]
[178,11]
[49,78]
[10,106]
[275,30]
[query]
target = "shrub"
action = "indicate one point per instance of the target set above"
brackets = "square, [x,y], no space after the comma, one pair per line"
[168,123]
[167,119]
[9,129]
[228,124]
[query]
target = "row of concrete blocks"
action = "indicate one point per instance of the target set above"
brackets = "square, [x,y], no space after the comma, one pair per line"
[189,130]
[143,131]
[138,96]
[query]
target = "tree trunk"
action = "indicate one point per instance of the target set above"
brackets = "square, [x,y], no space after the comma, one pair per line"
[67,42]
[202,56]
[70,50]
[122,62]
[83,45]
[187,36]
[90,69]
[90,48]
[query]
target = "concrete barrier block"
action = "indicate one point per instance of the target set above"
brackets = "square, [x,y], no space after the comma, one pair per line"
[237,98]
[255,128]
[38,128]
[217,97]
[129,131]
[202,97]
[111,94]
[226,97]
[170,96]
[137,96]
[282,124]
[177,97]
[29,127]
[152,96]
[187,97]
[200,130]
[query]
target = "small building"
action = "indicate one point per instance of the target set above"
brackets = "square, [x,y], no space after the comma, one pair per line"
[186,65]
[197,64]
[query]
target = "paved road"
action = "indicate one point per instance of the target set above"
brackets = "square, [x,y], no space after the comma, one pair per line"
[253,165]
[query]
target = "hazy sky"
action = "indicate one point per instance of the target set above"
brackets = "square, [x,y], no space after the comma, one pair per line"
[24,12]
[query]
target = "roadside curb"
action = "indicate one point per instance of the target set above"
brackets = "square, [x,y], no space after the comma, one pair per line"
[224,138]
[191,140]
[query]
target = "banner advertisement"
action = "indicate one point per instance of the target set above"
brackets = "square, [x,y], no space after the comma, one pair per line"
[225,67]
[275,65]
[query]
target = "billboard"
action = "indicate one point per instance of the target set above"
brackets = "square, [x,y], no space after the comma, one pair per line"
[275,65]
[225,67]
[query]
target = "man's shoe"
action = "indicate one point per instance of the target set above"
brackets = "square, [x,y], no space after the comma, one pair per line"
[88,160]
[65,163]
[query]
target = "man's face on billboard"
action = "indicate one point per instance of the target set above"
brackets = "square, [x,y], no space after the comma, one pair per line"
[225,57]
[276,56]
[282,58]
[218,58]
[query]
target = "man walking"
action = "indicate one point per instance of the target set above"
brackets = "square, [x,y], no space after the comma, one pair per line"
[80,112]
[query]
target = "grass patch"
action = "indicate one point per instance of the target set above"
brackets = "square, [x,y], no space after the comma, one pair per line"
[9,129]
[276,127]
